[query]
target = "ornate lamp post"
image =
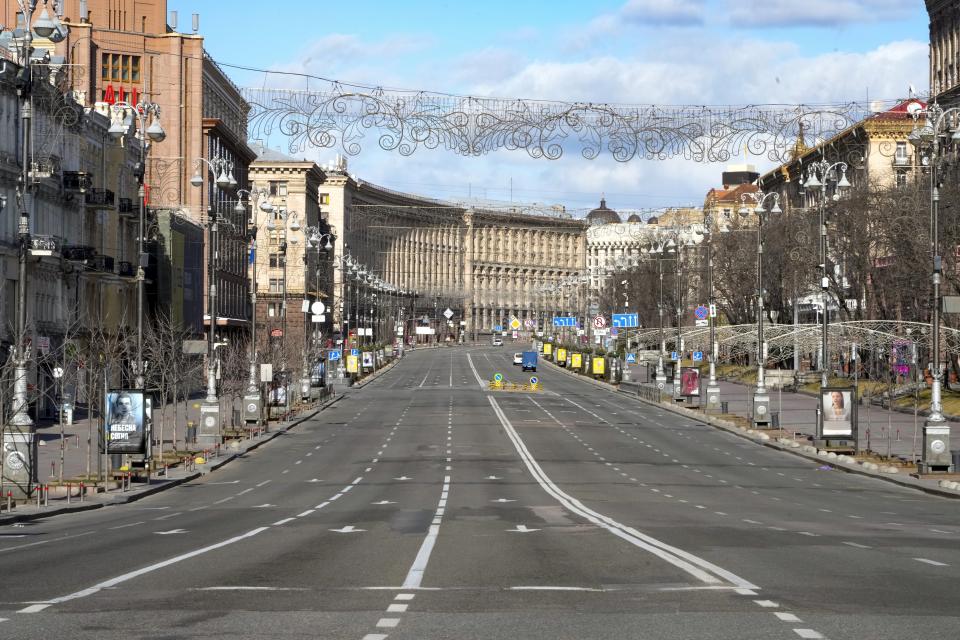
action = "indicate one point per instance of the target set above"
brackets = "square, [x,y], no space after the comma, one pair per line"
[661,250]
[18,443]
[252,401]
[930,140]
[319,241]
[147,116]
[819,176]
[713,389]
[761,399]
[222,170]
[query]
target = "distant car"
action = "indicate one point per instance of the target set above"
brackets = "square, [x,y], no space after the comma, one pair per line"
[497,341]
[518,358]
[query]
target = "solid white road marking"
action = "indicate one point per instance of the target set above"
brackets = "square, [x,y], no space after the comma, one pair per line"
[171,532]
[858,546]
[375,636]
[348,529]
[169,515]
[698,567]
[503,500]
[89,591]
[124,526]
[401,478]
[305,513]
[264,505]
[284,521]
[263,483]
[474,369]
[245,491]
[383,502]
[34,608]
[415,575]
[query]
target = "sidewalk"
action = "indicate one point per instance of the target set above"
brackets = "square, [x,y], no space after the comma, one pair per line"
[799,409]
[58,502]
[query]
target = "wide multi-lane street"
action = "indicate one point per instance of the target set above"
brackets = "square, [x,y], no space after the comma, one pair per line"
[424,506]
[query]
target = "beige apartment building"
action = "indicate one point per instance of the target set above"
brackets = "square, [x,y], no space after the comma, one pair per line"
[944,51]
[286,269]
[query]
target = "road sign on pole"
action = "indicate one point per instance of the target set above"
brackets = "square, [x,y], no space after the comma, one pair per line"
[702,312]
[626,320]
[599,322]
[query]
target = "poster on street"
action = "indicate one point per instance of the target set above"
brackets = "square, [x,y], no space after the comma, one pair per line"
[125,422]
[838,411]
[690,382]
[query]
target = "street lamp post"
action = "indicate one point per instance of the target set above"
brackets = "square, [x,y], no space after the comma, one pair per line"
[761,399]
[142,113]
[18,442]
[661,250]
[713,389]
[928,140]
[819,176]
[314,238]
[252,401]
[222,170]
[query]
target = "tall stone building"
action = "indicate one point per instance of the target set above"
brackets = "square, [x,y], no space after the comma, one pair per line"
[487,265]
[289,268]
[944,51]
[124,51]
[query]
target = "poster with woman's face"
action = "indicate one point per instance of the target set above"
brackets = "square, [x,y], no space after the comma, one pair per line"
[125,420]
[689,382]
[837,408]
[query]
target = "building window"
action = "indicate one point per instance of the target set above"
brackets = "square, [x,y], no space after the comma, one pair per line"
[901,178]
[276,285]
[278,188]
[274,309]
[324,198]
[118,67]
[276,260]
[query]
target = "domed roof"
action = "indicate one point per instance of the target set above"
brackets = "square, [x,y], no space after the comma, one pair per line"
[603,215]
[653,220]
[634,218]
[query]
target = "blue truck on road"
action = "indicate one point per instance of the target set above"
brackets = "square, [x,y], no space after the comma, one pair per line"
[529,362]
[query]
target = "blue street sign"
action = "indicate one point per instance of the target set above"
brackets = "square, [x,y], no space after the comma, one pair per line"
[674,355]
[631,358]
[355,352]
[564,321]
[701,312]
[498,327]
[333,355]
[626,320]
[698,356]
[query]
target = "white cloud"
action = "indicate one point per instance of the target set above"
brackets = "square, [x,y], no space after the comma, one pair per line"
[816,13]
[664,12]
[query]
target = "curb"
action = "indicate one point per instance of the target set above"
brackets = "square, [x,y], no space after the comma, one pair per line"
[729,428]
[603,385]
[375,375]
[168,484]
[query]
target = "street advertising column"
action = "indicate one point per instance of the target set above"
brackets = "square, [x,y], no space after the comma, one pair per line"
[126,422]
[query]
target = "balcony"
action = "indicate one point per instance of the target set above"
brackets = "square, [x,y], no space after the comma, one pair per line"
[78,181]
[125,207]
[44,167]
[103,264]
[41,245]
[101,198]
[79,253]
[902,161]
[125,269]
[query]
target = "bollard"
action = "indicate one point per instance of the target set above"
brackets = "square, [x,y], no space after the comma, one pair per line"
[898,435]
[53,469]
[69,492]
[868,439]
[46,495]
[39,491]
[9,501]
[166,470]
[82,491]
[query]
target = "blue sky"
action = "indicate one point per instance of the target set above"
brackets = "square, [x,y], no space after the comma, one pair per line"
[628,51]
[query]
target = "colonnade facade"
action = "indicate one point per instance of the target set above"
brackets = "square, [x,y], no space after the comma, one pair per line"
[487,266]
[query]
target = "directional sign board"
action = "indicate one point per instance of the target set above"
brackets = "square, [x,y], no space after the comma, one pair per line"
[599,322]
[674,355]
[564,321]
[626,320]
[498,328]
[333,355]
[698,356]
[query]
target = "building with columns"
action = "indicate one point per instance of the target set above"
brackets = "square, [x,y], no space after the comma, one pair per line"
[487,265]
[944,51]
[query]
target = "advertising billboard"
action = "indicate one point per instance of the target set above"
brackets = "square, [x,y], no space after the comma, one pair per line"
[690,382]
[353,364]
[126,421]
[599,365]
[576,360]
[839,412]
[547,349]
